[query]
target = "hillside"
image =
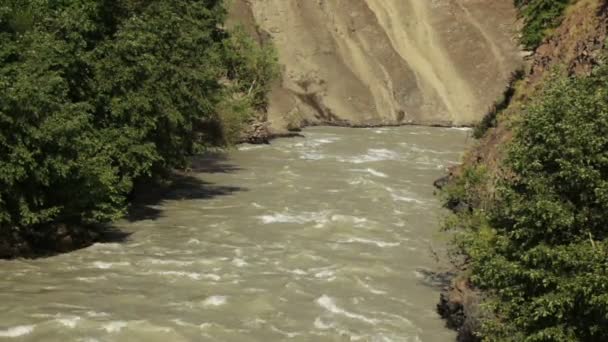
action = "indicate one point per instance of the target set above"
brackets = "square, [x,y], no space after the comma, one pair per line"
[529,202]
[369,62]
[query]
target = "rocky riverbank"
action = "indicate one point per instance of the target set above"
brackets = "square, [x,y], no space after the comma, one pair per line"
[51,240]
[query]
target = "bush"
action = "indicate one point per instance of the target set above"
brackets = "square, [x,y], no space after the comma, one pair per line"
[540,16]
[541,250]
[96,95]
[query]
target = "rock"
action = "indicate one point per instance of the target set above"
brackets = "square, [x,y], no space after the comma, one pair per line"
[458,306]
[65,244]
[5,250]
[257,133]
[442,182]
[62,230]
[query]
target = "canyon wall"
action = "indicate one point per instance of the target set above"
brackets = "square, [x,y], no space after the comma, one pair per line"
[373,62]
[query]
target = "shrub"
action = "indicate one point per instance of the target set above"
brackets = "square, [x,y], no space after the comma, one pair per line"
[96,95]
[540,16]
[540,251]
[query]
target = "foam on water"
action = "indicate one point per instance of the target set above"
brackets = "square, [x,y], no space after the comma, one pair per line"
[370,288]
[17,331]
[372,172]
[418,149]
[249,147]
[91,279]
[381,244]
[69,322]
[164,262]
[329,304]
[319,324]
[238,262]
[351,219]
[400,198]
[299,218]
[114,327]
[287,334]
[191,275]
[108,265]
[466,129]
[215,301]
[328,275]
[373,155]
[95,314]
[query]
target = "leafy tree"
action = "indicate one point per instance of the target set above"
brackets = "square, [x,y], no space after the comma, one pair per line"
[96,95]
[540,249]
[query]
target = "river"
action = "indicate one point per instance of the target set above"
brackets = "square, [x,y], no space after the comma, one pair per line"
[322,238]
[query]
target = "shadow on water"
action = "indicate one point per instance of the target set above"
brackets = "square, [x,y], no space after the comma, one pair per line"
[217,162]
[182,185]
[146,204]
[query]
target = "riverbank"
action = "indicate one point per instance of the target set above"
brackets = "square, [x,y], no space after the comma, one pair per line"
[494,199]
[97,97]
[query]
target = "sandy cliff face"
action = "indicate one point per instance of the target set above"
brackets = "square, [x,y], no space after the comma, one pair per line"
[367,62]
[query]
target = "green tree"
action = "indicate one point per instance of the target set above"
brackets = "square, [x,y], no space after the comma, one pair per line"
[96,95]
[540,249]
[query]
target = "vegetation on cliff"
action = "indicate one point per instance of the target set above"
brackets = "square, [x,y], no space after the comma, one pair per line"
[537,240]
[539,17]
[530,202]
[98,95]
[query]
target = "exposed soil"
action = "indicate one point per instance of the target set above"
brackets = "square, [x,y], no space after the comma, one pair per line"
[372,62]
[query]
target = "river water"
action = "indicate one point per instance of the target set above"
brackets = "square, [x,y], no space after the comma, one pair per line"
[323,238]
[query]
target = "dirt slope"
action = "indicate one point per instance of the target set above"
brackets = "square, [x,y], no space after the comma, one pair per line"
[369,62]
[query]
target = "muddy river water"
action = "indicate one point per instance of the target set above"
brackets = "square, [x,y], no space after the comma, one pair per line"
[322,238]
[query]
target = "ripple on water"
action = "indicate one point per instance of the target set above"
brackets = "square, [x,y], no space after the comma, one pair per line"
[299,218]
[108,265]
[274,262]
[378,243]
[191,275]
[114,326]
[17,331]
[69,322]
[373,155]
[372,172]
[215,301]
[329,304]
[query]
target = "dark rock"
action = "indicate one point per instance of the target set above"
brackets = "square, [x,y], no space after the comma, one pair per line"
[257,133]
[62,230]
[6,250]
[442,182]
[65,244]
[458,307]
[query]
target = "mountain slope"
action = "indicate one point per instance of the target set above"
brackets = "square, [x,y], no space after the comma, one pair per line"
[371,62]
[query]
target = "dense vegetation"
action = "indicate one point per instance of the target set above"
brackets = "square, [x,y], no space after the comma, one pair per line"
[539,16]
[535,239]
[96,95]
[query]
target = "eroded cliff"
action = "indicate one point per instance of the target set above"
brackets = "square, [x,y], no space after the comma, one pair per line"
[371,62]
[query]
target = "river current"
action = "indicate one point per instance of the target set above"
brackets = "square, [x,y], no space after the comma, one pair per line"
[331,237]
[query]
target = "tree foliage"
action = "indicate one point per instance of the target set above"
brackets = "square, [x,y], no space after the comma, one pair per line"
[540,249]
[95,95]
